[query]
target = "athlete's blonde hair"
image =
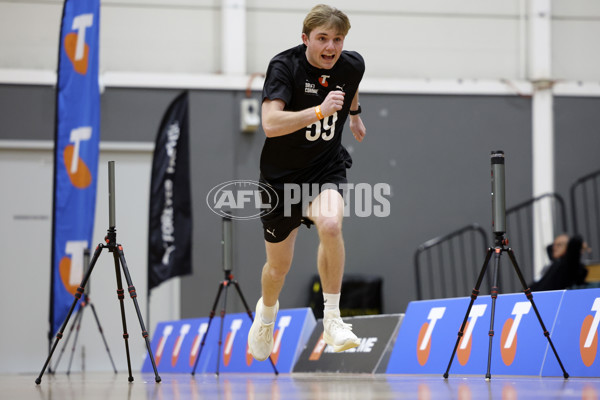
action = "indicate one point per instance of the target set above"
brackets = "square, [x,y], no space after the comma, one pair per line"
[327,16]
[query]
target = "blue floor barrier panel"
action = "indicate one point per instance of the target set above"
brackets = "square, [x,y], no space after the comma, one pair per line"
[424,343]
[176,344]
[430,329]
[576,335]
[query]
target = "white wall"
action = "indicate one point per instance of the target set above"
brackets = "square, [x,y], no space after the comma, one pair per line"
[575,28]
[25,218]
[405,39]
[434,39]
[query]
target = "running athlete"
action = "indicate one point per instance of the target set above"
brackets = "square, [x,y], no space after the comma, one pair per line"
[308,93]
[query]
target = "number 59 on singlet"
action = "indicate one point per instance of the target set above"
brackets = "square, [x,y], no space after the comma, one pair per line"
[323,128]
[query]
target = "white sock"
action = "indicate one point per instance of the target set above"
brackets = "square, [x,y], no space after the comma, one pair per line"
[331,301]
[268,314]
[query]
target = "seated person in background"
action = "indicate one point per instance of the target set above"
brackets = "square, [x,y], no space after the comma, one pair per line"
[565,269]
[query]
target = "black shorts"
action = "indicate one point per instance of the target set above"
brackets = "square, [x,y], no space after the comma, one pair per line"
[280,219]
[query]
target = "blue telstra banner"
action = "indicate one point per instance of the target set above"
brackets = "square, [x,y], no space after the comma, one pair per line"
[176,344]
[427,335]
[576,336]
[430,328]
[77,138]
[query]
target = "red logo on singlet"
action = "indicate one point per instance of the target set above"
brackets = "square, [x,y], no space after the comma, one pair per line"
[323,80]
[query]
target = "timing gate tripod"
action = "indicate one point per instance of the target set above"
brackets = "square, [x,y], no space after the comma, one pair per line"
[225,284]
[119,259]
[500,247]
[227,263]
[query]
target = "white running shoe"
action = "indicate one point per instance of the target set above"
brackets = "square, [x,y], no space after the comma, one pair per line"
[338,334]
[260,337]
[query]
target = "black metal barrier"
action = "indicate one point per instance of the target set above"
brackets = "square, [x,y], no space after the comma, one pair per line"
[585,211]
[446,266]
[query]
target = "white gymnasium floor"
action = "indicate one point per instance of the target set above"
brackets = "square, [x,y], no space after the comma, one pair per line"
[108,386]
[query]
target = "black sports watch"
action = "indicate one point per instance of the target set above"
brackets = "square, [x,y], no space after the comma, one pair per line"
[355,112]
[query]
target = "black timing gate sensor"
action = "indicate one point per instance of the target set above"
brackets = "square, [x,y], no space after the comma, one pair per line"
[498,193]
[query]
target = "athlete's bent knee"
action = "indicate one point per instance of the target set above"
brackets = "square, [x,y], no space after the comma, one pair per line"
[277,271]
[329,226]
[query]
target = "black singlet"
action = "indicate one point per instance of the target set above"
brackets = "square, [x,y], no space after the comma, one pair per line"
[302,155]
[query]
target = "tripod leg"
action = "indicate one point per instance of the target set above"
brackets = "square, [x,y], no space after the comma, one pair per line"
[223,311]
[133,295]
[77,330]
[78,295]
[494,295]
[248,309]
[474,295]
[249,312]
[210,318]
[102,334]
[121,296]
[75,321]
[529,296]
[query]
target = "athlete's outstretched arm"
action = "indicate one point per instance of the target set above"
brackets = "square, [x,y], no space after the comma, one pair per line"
[356,125]
[277,122]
